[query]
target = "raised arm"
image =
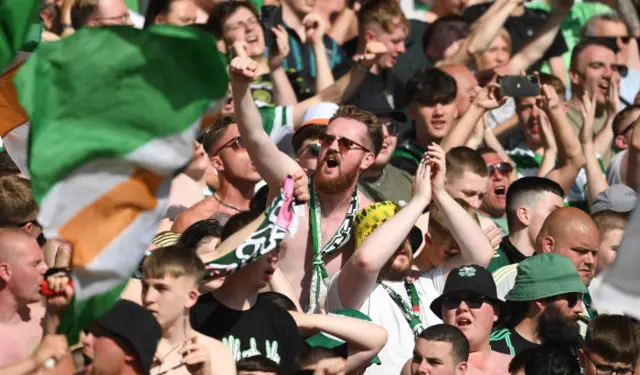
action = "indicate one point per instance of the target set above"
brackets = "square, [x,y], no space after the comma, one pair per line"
[314,28]
[633,166]
[475,247]
[284,93]
[272,165]
[550,146]
[343,88]
[360,273]
[536,47]
[364,339]
[596,181]
[486,99]
[483,32]
[570,158]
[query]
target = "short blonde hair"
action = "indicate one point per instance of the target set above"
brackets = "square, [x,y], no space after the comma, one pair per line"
[176,261]
[438,224]
[17,205]
[386,13]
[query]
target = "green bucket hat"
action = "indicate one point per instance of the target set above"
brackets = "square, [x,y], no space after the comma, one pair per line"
[545,275]
[325,340]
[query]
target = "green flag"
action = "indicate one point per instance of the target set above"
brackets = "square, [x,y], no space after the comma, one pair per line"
[114,113]
[16,18]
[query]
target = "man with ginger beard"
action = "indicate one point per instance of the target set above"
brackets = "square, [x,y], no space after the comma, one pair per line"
[353,139]
[570,232]
[378,279]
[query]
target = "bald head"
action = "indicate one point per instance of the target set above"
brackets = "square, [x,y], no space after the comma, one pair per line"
[571,232]
[14,243]
[465,81]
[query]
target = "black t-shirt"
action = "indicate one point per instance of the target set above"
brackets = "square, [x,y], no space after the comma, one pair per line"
[509,341]
[266,329]
[522,29]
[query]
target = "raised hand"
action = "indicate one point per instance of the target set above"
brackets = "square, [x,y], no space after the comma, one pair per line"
[488,97]
[313,28]
[546,133]
[51,350]
[373,51]
[550,100]
[422,181]
[301,186]
[613,98]
[588,112]
[196,357]
[494,235]
[438,167]
[58,283]
[240,48]
[243,70]
[282,42]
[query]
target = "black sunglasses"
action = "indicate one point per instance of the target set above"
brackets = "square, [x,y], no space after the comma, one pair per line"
[314,149]
[623,70]
[572,298]
[235,143]
[502,168]
[474,301]
[392,127]
[344,144]
[602,369]
[34,222]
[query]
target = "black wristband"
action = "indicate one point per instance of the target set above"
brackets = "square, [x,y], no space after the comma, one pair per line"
[55,270]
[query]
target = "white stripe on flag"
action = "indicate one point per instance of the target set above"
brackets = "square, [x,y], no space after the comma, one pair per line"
[16,143]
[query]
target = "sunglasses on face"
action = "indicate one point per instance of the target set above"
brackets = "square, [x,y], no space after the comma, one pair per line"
[314,149]
[602,369]
[392,127]
[572,299]
[344,144]
[502,168]
[235,143]
[623,70]
[474,301]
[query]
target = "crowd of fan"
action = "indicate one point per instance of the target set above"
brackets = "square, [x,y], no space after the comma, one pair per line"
[440,227]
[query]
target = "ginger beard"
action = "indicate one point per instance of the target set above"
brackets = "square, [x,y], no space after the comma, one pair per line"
[334,184]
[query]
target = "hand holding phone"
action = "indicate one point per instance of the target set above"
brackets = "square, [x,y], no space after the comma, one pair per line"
[519,86]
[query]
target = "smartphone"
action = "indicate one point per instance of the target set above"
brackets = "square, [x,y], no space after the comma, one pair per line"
[269,18]
[519,86]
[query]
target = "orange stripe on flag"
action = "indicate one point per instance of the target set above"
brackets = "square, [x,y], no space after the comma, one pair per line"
[95,226]
[11,113]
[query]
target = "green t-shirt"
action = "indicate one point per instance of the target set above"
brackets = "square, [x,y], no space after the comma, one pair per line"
[499,260]
[393,184]
[572,25]
[277,121]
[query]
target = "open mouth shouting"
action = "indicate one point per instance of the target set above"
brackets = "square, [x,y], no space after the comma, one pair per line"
[332,161]
[462,322]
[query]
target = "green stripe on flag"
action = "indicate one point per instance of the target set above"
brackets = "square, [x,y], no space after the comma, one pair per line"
[80,314]
[16,17]
[90,86]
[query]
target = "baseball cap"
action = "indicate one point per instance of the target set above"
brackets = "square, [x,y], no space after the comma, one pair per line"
[325,340]
[545,275]
[618,198]
[376,214]
[378,104]
[132,323]
[319,114]
[468,279]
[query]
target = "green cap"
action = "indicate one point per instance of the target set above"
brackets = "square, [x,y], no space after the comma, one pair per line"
[545,275]
[325,340]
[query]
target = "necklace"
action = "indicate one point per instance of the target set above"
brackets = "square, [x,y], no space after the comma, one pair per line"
[215,195]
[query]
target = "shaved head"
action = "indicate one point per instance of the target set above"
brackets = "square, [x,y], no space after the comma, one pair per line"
[466,82]
[571,232]
[21,266]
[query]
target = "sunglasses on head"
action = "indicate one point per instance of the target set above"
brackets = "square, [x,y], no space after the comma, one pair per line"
[502,168]
[392,127]
[344,144]
[474,301]
[235,143]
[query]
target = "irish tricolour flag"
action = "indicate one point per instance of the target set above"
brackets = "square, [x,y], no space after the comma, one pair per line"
[114,113]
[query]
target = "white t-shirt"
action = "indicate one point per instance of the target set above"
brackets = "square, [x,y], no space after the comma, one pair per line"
[385,312]
[613,170]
